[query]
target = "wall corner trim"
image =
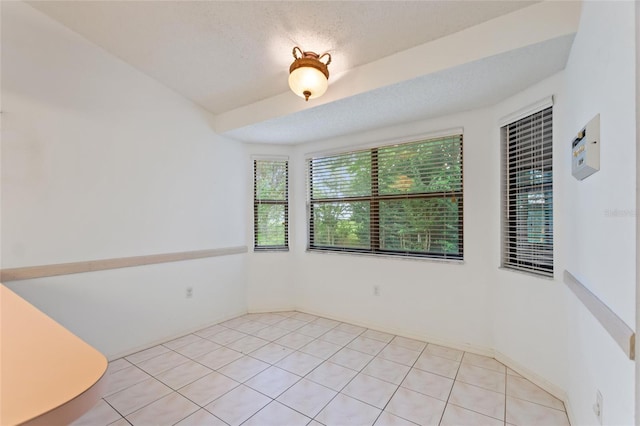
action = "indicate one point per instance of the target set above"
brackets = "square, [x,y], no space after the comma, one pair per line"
[621,333]
[41,271]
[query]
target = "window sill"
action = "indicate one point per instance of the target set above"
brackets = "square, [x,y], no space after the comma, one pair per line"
[387,256]
[271,250]
[527,273]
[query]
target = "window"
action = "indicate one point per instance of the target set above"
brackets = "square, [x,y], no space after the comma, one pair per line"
[528,194]
[400,200]
[271,204]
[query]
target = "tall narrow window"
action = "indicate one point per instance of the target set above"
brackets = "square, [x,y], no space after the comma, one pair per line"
[403,199]
[271,204]
[527,238]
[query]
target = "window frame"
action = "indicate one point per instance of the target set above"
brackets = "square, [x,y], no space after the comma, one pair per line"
[259,201]
[517,254]
[375,198]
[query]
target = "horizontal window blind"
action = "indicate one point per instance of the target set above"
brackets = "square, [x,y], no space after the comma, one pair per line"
[403,199]
[271,204]
[527,238]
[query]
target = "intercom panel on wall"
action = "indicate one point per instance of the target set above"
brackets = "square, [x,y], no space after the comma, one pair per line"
[585,158]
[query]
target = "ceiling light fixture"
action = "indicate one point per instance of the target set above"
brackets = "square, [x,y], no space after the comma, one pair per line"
[308,74]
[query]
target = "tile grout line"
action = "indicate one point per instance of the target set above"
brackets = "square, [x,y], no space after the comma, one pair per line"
[275,366]
[357,373]
[401,381]
[242,383]
[328,360]
[235,387]
[191,359]
[338,392]
[455,378]
[131,385]
[473,410]
[116,410]
[324,360]
[482,388]
[172,389]
[506,377]
[300,377]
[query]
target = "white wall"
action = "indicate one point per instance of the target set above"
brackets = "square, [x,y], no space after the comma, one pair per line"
[599,215]
[101,161]
[637,388]
[472,305]
[529,322]
[444,302]
[270,275]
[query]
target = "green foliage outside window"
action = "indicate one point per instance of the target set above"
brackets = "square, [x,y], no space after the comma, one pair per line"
[400,199]
[271,208]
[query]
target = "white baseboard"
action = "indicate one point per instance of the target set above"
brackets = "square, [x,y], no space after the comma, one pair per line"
[530,375]
[263,310]
[569,409]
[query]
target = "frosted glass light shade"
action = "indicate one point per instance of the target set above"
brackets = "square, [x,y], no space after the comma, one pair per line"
[308,79]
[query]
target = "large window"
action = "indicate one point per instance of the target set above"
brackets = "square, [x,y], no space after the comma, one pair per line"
[400,199]
[271,204]
[527,237]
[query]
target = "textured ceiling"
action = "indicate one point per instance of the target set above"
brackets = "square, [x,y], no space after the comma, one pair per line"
[232,58]
[223,55]
[466,87]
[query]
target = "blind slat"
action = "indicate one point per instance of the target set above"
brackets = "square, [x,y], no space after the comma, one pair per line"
[271,204]
[403,199]
[527,237]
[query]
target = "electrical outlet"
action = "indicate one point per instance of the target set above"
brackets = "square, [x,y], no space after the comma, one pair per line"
[189,292]
[376,290]
[597,407]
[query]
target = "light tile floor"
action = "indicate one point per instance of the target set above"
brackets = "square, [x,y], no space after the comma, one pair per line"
[292,368]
